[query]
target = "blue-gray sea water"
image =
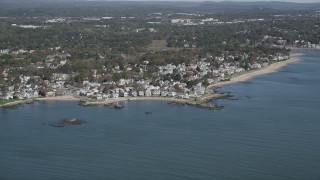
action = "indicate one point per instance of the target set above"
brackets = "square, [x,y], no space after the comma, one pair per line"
[271,132]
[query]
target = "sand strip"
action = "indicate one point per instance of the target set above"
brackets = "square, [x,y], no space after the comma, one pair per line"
[112,101]
[274,67]
[60,98]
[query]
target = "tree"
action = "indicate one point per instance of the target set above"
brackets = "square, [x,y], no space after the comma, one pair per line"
[205,83]
[3,87]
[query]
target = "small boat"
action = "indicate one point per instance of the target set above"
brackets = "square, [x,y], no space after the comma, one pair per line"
[118,106]
[147,113]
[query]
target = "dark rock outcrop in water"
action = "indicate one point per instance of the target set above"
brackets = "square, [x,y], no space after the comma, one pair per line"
[83,103]
[117,106]
[202,105]
[67,122]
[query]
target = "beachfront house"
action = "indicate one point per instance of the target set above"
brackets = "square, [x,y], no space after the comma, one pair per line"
[199,89]
[114,95]
[171,94]
[156,92]
[164,93]
[183,96]
[46,92]
[123,94]
[255,66]
[140,93]
[133,93]
[148,92]
[99,97]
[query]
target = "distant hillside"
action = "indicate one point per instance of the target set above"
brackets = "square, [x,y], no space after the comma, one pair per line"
[98,8]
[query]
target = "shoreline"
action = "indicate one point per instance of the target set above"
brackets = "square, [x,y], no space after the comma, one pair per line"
[151,98]
[311,49]
[274,67]
[59,98]
[13,104]
[158,98]
[202,100]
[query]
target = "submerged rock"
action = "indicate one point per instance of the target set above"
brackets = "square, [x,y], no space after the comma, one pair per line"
[203,105]
[30,101]
[83,103]
[66,122]
[177,102]
[117,106]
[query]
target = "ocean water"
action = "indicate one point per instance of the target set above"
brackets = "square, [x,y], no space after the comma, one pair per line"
[271,132]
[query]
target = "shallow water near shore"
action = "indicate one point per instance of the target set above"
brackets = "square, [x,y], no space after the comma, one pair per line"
[271,132]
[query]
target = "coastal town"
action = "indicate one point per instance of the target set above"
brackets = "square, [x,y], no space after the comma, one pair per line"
[159,89]
[199,71]
[169,55]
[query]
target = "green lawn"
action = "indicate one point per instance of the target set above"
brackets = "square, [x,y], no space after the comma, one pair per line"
[3,102]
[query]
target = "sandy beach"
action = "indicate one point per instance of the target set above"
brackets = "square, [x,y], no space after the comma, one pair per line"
[60,98]
[112,101]
[240,78]
[251,74]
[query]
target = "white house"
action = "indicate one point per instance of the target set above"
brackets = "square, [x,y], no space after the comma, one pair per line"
[99,97]
[147,92]
[115,95]
[133,93]
[156,92]
[172,94]
[140,93]
[123,94]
